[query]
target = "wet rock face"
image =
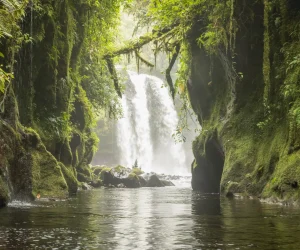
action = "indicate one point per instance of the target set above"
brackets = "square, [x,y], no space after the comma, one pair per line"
[4,194]
[27,169]
[208,166]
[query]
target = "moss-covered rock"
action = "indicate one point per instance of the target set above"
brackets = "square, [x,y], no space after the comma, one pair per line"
[250,136]
[26,167]
[47,177]
[97,170]
[69,174]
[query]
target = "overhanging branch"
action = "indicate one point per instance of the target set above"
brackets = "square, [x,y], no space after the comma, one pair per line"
[149,64]
[134,46]
[142,41]
[168,70]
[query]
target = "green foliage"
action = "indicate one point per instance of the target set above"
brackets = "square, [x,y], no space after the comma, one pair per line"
[119,171]
[216,27]
[11,11]
[137,171]
[290,89]
[135,165]
[5,79]
[100,38]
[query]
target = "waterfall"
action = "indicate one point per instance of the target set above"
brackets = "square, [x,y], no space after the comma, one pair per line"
[145,131]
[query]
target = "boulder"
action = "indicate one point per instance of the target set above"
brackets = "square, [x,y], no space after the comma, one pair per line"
[109,179]
[154,182]
[143,182]
[132,181]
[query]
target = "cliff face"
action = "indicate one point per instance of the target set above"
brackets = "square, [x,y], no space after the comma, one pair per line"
[247,100]
[46,139]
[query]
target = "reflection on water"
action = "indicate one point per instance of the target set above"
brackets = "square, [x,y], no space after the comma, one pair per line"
[149,218]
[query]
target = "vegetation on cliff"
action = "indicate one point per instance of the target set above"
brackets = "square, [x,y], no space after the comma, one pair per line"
[52,84]
[238,69]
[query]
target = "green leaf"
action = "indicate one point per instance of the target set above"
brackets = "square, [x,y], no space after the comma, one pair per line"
[2,85]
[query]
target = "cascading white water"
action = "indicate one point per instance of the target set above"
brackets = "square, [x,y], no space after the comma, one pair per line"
[145,131]
[125,136]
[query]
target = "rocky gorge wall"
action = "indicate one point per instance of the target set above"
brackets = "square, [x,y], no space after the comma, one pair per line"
[247,102]
[45,128]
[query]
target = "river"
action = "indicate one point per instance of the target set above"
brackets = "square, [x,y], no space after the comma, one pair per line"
[149,218]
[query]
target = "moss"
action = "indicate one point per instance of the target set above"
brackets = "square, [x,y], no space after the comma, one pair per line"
[83,178]
[258,135]
[85,170]
[137,171]
[284,182]
[266,63]
[106,169]
[70,176]
[97,170]
[47,177]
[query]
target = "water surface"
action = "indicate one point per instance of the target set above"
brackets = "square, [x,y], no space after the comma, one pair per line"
[149,218]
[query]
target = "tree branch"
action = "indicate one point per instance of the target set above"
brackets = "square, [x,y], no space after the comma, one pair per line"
[134,46]
[168,70]
[142,40]
[149,64]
